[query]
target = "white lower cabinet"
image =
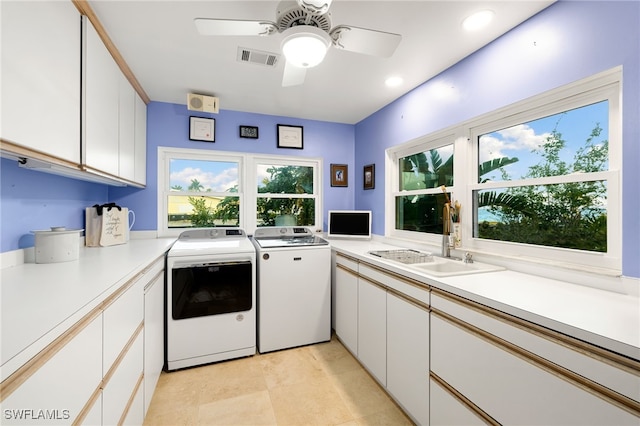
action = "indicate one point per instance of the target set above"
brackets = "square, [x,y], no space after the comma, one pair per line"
[63,385]
[93,374]
[408,356]
[122,386]
[346,304]
[447,360]
[511,386]
[372,329]
[121,320]
[94,415]
[135,415]
[446,410]
[153,336]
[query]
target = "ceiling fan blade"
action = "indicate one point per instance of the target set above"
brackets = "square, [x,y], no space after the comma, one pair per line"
[234,27]
[362,40]
[293,76]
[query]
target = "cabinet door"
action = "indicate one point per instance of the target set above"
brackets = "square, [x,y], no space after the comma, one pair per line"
[153,336]
[140,141]
[121,385]
[121,319]
[346,309]
[135,415]
[372,329]
[65,382]
[41,77]
[511,389]
[408,356]
[126,128]
[101,104]
[448,411]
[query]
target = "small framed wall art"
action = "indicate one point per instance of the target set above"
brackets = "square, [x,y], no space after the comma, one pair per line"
[202,129]
[339,175]
[290,136]
[370,176]
[250,132]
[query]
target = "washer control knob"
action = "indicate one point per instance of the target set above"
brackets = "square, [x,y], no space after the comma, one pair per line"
[265,256]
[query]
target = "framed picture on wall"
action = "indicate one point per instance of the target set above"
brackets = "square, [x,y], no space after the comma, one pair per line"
[289,136]
[370,176]
[339,175]
[202,129]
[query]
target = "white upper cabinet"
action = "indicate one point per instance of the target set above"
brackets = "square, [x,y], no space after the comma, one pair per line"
[101,150]
[41,77]
[126,128]
[140,141]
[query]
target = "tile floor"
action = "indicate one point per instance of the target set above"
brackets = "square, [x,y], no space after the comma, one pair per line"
[321,384]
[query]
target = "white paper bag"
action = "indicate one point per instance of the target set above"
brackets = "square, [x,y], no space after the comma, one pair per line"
[106,229]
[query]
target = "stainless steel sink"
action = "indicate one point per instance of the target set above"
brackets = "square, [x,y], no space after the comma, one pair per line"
[433,265]
[406,256]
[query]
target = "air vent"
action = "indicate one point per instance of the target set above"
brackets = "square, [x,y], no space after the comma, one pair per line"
[259,57]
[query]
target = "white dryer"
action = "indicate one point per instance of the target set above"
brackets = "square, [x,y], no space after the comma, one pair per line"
[294,287]
[211,297]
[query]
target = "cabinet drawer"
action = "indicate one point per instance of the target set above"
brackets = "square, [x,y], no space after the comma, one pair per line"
[404,285]
[64,383]
[510,388]
[447,410]
[121,319]
[583,359]
[347,262]
[122,385]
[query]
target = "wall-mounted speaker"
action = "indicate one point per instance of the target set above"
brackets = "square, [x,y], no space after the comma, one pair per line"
[202,103]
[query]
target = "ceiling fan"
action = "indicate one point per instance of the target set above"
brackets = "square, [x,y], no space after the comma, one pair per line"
[306,31]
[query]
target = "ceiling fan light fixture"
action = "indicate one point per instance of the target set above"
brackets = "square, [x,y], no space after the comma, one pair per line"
[305,46]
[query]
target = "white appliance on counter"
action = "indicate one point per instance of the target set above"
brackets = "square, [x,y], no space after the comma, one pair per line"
[294,287]
[211,297]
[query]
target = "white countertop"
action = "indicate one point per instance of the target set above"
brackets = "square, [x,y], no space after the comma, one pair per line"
[607,319]
[40,301]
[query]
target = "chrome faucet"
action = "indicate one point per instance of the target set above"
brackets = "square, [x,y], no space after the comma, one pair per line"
[446,245]
[446,235]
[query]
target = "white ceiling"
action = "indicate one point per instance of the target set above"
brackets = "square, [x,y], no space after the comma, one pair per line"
[159,42]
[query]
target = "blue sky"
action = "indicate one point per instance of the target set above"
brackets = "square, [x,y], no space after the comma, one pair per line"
[218,176]
[518,141]
[215,175]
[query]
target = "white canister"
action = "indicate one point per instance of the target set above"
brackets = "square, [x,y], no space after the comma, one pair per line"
[57,245]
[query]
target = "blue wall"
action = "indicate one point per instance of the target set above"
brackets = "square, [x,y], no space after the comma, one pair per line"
[34,200]
[574,39]
[168,125]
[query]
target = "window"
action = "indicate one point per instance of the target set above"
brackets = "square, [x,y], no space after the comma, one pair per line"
[285,195]
[203,193]
[201,189]
[419,200]
[536,180]
[551,191]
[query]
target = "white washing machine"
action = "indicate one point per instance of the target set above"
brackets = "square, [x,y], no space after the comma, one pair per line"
[210,298]
[294,287]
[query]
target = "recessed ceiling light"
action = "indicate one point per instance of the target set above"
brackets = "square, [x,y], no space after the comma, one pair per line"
[478,20]
[393,81]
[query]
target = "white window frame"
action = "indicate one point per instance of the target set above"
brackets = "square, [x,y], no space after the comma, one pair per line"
[247,183]
[604,86]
